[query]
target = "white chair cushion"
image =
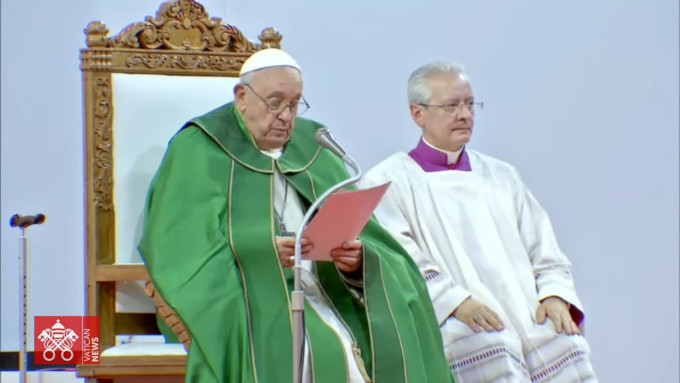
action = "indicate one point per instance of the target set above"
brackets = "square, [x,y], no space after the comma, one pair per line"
[144,349]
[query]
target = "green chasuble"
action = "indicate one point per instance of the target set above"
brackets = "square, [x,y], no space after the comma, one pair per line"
[209,246]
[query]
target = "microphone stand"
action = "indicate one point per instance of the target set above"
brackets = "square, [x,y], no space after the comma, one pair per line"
[23,223]
[298,296]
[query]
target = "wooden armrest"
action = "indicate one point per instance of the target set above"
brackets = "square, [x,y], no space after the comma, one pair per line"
[121,273]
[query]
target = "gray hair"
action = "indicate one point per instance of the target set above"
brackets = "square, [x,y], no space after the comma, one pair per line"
[246,78]
[418,90]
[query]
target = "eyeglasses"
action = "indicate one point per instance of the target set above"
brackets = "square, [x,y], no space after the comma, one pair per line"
[277,106]
[471,106]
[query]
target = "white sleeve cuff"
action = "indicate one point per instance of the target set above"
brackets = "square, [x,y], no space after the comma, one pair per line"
[446,296]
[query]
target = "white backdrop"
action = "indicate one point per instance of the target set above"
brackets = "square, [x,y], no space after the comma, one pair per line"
[581,96]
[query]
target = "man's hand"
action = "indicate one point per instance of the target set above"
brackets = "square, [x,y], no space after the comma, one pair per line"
[348,258]
[558,311]
[476,314]
[286,249]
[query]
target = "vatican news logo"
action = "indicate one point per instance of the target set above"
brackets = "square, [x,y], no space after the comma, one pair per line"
[67,340]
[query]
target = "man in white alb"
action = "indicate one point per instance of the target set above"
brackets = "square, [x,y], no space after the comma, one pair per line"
[502,290]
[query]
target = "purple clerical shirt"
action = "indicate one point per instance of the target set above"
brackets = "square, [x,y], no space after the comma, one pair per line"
[433,160]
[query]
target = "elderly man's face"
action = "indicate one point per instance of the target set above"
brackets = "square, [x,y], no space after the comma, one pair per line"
[447,123]
[273,86]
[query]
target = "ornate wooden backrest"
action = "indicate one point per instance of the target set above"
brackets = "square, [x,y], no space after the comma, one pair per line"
[181,40]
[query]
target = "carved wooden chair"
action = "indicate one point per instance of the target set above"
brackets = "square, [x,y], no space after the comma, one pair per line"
[133,85]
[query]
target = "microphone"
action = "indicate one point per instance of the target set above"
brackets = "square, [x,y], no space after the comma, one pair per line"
[26,221]
[326,140]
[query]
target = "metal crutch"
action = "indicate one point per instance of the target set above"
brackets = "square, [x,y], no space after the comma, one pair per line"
[23,222]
